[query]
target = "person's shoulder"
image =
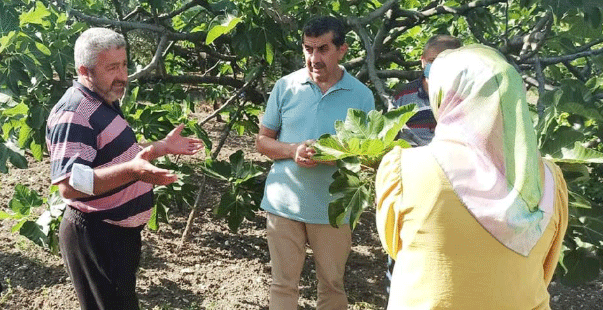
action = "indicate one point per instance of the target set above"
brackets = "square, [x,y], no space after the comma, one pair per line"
[70,101]
[355,84]
[297,76]
[409,88]
[77,100]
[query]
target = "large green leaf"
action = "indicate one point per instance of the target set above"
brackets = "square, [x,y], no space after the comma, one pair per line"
[24,200]
[574,173]
[558,140]
[367,136]
[395,121]
[355,125]
[580,267]
[159,214]
[579,154]
[329,148]
[589,228]
[35,15]
[15,156]
[32,231]
[217,169]
[242,170]
[351,197]
[233,207]
[584,109]
[217,31]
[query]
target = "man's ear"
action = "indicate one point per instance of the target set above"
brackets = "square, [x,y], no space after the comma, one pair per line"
[423,61]
[83,71]
[343,49]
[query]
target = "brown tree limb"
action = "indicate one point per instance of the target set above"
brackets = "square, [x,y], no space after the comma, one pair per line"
[146,71]
[378,13]
[534,82]
[535,40]
[370,59]
[252,94]
[559,59]
[414,17]
[184,8]
[236,95]
[574,71]
[541,81]
[127,25]
[186,234]
[136,11]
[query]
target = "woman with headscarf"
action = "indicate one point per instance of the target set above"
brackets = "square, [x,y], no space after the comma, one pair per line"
[476,218]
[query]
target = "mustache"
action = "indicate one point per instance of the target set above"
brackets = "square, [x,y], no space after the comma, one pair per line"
[318,65]
[119,83]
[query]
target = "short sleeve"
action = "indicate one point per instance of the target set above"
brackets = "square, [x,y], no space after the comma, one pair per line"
[272,117]
[388,186]
[70,139]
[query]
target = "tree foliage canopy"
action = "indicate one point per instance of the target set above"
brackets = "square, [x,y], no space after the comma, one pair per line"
[230,52]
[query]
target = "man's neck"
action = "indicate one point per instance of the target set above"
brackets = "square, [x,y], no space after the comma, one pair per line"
[326,85]
[89,85]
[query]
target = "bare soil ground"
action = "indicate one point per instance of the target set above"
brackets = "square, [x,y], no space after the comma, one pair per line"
[216,269]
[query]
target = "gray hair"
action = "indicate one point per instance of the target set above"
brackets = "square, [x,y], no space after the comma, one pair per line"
[92,42]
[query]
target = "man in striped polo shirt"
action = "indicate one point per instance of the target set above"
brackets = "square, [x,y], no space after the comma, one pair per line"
[104,175]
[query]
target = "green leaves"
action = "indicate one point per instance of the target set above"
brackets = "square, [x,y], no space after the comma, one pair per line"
[367,136]
[8,152]
[579,266]
[217,31]
[580,154]
[35,15]
[24,200]
[358,146]
[352,193]
[245,187]
[44,230]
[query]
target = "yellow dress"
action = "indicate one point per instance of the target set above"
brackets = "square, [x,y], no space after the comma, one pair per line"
[444,258]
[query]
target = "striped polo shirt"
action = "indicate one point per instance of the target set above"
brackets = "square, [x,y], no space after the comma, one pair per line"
[423,122]
[83,129]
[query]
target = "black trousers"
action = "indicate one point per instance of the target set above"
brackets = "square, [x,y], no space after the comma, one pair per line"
[102,260]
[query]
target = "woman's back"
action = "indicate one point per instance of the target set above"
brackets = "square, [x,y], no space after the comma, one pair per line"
[445,258]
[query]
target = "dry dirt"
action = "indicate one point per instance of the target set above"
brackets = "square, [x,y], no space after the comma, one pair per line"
[216,269]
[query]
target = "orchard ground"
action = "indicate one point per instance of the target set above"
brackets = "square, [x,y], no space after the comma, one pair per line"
[216,269]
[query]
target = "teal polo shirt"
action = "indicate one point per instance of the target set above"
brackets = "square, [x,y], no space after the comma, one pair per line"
[298,111]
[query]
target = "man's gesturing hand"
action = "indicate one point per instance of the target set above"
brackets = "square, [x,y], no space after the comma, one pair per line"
[146,172]
[176,144]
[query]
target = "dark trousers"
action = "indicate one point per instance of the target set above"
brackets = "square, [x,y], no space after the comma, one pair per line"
[102,260]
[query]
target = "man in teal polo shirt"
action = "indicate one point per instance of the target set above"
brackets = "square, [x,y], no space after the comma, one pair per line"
[302,106]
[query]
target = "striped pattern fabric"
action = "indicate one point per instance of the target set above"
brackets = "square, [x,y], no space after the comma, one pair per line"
[83,129]
[423,122]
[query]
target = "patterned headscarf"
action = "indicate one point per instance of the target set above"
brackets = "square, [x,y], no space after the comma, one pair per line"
[486,144]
